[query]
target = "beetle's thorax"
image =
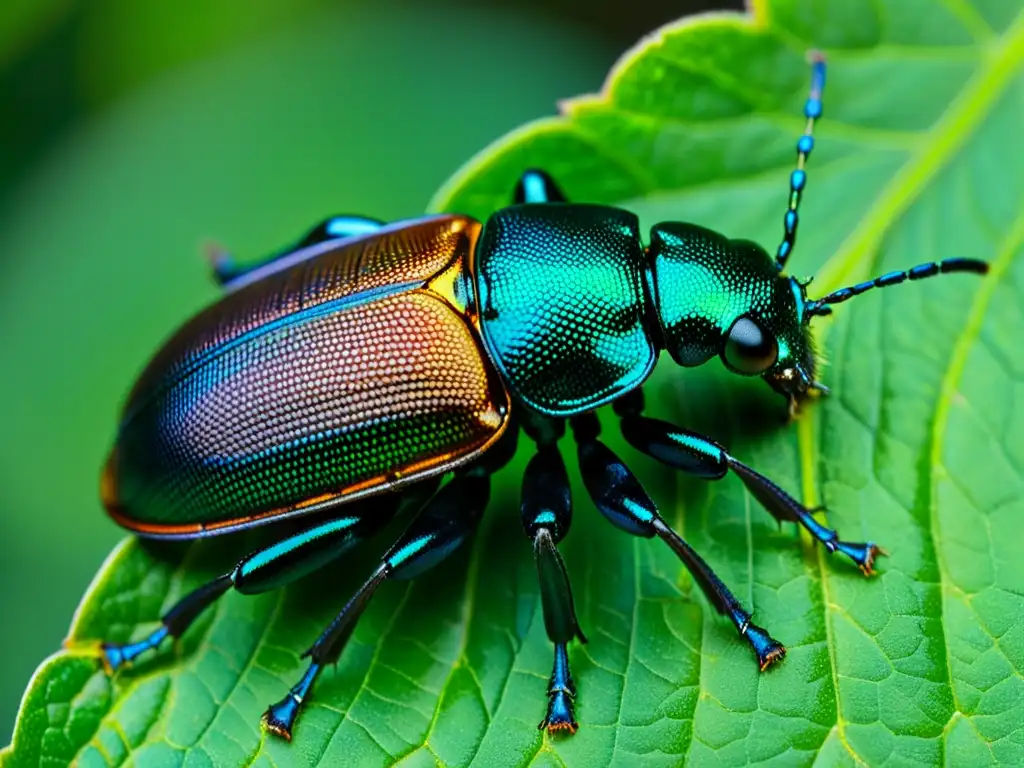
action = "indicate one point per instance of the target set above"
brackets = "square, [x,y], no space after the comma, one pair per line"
[563,306]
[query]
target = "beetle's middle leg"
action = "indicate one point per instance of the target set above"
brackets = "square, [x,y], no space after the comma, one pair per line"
[446,520]
[546,511]
[537,186]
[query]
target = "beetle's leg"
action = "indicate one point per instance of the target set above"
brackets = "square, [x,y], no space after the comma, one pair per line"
[339,228]
[536,186]
[265,569]
[546,511]
[228,273]
[446,520]
[620,498]
[693,453]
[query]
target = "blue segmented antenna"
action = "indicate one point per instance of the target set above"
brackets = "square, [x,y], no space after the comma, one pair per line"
[931,269]
[804,145]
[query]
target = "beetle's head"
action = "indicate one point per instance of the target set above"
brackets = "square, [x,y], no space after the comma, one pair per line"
[792,374]
[729,298]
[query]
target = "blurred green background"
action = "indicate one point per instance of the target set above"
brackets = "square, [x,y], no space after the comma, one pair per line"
[130,132]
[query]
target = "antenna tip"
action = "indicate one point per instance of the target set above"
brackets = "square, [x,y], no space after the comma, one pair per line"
[964,265]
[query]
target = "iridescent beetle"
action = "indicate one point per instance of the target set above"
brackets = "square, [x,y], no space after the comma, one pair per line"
[353,371]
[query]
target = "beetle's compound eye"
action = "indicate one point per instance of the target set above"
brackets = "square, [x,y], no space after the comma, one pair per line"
[749,349]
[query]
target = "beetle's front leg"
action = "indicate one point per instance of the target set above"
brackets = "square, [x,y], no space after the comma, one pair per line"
[619,496]
[697,455]
[546,511]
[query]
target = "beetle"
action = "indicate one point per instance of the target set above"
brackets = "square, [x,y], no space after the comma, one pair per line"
[345,376]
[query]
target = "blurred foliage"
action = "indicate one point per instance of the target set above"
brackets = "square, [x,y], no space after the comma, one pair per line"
[154,37]
[22,24]
[61,59]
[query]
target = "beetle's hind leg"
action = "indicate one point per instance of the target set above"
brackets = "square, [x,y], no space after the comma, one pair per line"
[620,498]
[546,511]
[274,566]
[446,520]
[228,273]
[693,453]
[172,624]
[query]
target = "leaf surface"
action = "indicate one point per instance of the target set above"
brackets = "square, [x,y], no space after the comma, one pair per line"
[919,449]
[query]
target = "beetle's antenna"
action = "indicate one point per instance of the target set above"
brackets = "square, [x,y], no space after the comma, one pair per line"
[804,145]
[921,271]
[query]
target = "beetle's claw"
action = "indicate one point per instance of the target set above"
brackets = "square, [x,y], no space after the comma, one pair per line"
[111,658]
[873,551]
[863,555]
[279,718]
[560,717]
[768,649]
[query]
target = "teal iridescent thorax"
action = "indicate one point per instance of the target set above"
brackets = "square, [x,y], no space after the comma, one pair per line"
[704,282]
[562,304]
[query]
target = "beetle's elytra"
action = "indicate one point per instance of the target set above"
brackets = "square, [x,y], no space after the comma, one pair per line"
[351,372]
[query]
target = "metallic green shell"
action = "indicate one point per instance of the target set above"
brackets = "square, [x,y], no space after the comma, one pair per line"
[562,304]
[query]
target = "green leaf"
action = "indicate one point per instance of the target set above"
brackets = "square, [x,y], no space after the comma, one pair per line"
[918,449]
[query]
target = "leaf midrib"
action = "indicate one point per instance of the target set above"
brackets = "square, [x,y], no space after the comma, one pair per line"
[850,263]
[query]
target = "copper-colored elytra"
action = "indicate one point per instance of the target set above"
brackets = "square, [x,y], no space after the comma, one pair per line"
[415,472]
[411,256]
[444,281]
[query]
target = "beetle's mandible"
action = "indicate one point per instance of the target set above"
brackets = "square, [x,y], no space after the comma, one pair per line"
[347,375]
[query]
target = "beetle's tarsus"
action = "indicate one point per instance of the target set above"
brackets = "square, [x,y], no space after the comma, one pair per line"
[110,665]
[872,551]
[768,649]
[117,655]
[863,555]
[279,718]
[222,264]
[560,717]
